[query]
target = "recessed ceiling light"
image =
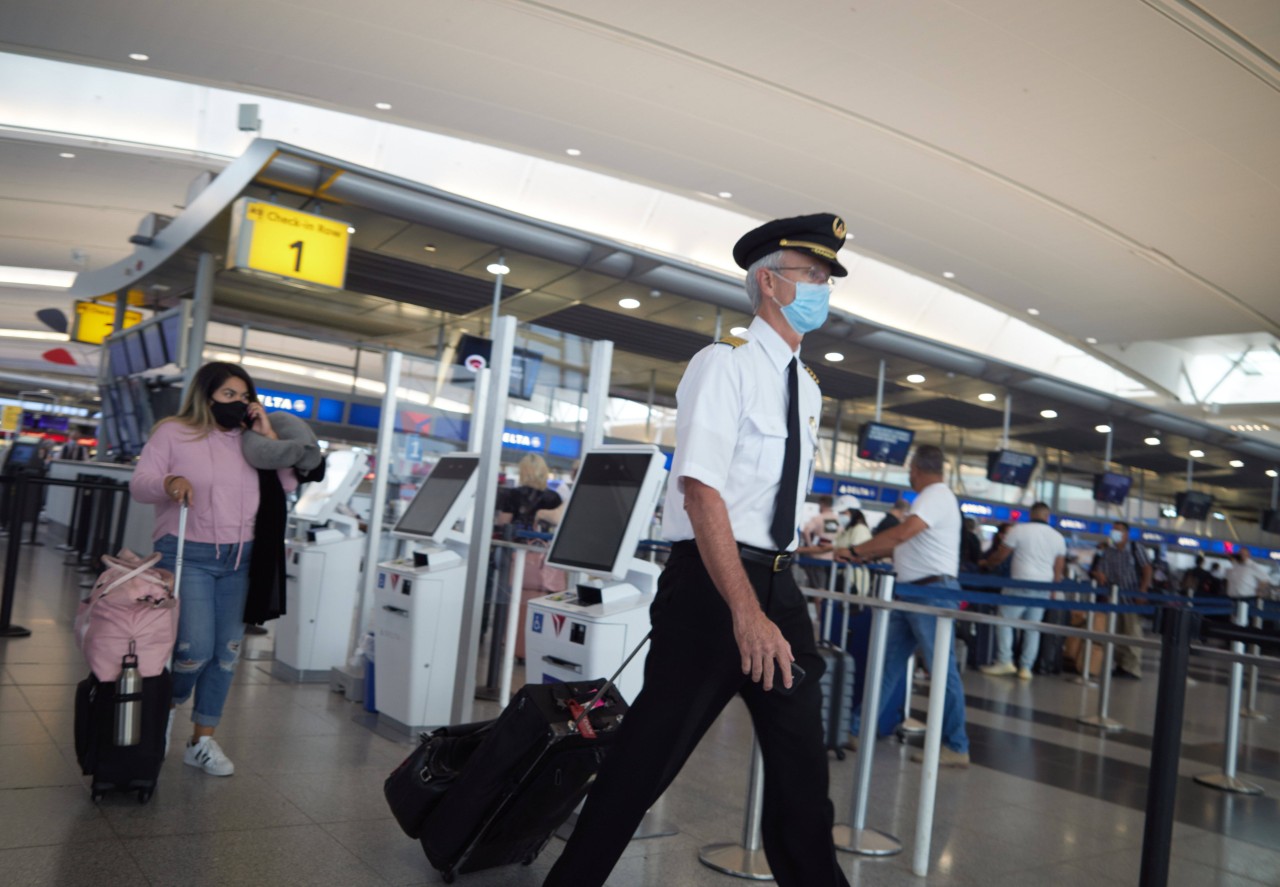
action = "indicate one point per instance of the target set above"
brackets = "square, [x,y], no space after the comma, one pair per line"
[1091,340]
[1271,472]
[429,247]
[1196,454]
[725,195]
[351,230]
[15,276]
[139,56]
[1218,515]
[915,378]
[383,106]
[573,152]
[497,268]
[949,275]
[67,155]
[834,356]
[1048,414]
[1236,463]
[629,303]
[1034,312]
[1152,441]
[738,331]
[986,397]
[1102,429]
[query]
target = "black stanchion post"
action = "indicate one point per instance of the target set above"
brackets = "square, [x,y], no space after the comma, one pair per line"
[1180,625]
[18,502]
[122,518]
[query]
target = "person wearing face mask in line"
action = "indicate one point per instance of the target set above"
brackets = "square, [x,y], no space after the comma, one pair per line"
[195,457]
[728,618]
[1125,564]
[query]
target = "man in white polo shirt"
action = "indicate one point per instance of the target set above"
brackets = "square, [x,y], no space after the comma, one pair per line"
[1039,555]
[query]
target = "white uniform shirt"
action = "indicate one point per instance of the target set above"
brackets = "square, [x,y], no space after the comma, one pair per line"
[731,433]
[1035,547]
[936,550]
[1247,580]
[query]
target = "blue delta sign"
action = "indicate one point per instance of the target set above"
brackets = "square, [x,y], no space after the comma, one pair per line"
[288,401]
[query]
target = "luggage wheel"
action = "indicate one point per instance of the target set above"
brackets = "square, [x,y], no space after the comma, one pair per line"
[448,877]
[144,795]
[839,754]
[98,796]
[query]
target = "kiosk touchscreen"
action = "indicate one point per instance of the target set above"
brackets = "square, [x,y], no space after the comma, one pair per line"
[419,600]
[587,632]
[322,574]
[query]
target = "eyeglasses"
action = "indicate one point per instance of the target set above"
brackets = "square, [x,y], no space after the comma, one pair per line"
[812,273]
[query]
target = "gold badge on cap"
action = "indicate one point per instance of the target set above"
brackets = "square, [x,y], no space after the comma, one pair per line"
[837,227]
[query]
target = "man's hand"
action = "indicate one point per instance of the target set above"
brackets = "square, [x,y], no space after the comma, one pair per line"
[846,556]
[761,644]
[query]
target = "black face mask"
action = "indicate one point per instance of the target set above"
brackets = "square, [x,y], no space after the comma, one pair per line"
[229,415]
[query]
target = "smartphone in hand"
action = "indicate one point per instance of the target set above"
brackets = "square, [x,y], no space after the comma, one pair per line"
[797,675]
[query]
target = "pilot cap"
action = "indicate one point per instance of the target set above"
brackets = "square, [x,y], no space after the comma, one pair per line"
[820,235]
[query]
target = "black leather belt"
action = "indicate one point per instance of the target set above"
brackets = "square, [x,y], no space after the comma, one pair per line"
[776,560]
[930,580]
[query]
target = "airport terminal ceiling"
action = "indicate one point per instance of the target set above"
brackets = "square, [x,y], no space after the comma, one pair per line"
[412,287]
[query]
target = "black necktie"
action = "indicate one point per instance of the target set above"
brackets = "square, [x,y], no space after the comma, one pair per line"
[783,529]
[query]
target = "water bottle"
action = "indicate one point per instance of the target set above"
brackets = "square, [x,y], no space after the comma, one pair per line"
[128,726]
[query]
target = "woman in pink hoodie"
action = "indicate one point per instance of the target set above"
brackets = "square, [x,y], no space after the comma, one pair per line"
[195,457]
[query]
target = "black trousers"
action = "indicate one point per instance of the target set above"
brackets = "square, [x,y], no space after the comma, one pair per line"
[692,671]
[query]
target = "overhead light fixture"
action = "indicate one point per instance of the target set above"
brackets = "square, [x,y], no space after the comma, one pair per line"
[1251,426]
[351,230]
[1236,463]
[38,335]
[915,378]
[1151,441]
[383,106]
[1102,429]
[573,152]
[1271,472]
[429,247]
[497,268]
[1090,340]
[1048,414]
[834,356]
[738,331]
[12,275]
[629,303]
[725,195]
[1218,515]
[66,155]
[1196,454]
[949,275]
[1034,312]
[986,397]
[139,56]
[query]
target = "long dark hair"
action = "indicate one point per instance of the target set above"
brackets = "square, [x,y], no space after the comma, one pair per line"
[195,412]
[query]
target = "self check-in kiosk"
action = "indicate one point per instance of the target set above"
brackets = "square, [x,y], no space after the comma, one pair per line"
[322,578]
[419,600]
[588,631]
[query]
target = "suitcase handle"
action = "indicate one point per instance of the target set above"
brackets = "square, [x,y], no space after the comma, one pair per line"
[586,712]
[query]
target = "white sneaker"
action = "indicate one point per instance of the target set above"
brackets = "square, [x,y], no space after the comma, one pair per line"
[207,755]
[999,668]
[168,731]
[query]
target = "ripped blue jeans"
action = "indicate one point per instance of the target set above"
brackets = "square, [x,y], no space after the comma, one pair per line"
[210,622]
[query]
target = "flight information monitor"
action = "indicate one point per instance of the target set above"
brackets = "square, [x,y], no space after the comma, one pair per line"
[884,443]
[612,504]
[1008,467]
[1111,488]
[1194,505]
[443,499]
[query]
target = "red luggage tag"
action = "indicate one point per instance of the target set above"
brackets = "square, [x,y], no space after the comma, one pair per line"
[581,720]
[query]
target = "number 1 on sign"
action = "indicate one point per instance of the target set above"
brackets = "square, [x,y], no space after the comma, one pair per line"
[297,263]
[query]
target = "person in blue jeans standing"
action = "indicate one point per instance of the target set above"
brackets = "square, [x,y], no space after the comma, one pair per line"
[195,458]
[926,551]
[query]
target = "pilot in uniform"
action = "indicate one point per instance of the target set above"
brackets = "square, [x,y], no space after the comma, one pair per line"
[728,618]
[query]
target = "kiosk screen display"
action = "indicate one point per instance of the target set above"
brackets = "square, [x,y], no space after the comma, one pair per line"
[1194,505]
[171,326]
[599,511]
[884,443]
[436,496]
[119,358]
[137,356]
[1111,488]
[1008,467]
[153,339]
[315,501]
[22,455]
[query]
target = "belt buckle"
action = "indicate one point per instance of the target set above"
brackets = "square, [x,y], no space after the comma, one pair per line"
[778,565]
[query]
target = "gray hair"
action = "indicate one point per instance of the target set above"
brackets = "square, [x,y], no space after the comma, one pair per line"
[773,261]
[928,459]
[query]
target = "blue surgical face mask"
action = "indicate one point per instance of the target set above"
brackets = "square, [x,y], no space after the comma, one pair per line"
[808,310]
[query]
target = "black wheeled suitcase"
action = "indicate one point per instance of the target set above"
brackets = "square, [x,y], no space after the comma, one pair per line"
[121,768]
[837,697]
[1049,659]
[521,782]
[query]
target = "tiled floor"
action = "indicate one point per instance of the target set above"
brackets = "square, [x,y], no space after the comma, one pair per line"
[1046,803]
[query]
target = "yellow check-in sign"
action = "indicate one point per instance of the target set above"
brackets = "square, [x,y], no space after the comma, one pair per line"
[282,242]
[95,321]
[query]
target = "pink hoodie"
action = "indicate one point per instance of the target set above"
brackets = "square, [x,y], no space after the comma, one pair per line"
[224,486]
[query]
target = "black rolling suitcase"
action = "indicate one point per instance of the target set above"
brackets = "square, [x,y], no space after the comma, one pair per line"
[523,779]
[1049,659]
[128,768]
[837,697]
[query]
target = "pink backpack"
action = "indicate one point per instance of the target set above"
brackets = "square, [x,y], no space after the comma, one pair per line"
[133,601]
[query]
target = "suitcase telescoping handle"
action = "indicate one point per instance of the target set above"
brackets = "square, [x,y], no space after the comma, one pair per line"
[586,712]
[182,543]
